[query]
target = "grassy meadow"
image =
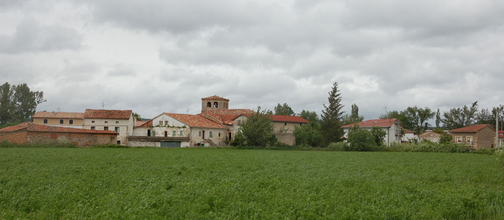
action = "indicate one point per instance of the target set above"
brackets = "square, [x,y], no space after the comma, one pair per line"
[146,183]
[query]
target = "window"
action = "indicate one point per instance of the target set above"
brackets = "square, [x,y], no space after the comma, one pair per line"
[117,130]
[199,134]
[105,128]
[181,133]
[216,105]
[92,127]
[92,121]
[219,134]
[117,122]
[209,104]
[469,139]
[161,123]
[166,123]
[210,134]
[166,133]
[148,133]
[45,120]
[174,133]
[62,121]
[106,122]
[70,121]
[285,124]
[458,139]
[239,122]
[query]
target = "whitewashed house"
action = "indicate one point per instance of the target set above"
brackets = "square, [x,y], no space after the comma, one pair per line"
[121,121]
[390,126]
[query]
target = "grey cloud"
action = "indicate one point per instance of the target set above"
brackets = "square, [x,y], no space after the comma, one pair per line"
[30,36]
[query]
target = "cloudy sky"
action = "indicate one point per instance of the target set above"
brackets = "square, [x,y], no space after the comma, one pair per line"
[155,56]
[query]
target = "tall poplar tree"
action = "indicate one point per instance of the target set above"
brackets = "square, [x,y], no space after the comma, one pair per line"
[331,117]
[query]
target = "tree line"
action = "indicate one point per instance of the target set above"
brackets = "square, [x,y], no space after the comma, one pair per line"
[18,103]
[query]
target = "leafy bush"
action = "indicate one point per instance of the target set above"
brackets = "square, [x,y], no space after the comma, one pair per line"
[339,146]
[360,140]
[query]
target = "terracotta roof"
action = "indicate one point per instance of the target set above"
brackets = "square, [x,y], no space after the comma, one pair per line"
[408,131]
[195,120]
[51,129]
[107,114]
[471,129]
[58,115]
[226,116]
[288,118]
[384,123]
[140,123]
[215,97]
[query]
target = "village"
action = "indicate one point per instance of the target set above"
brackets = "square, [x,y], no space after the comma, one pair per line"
[216,125]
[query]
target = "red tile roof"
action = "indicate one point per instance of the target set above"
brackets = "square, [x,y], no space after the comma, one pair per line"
[76,115]
[408,131]
[195,120]
[472,128]
[51,129]
[225,116]
[107,114]
[140,123]
[215,97]
[288,118]
[384,123]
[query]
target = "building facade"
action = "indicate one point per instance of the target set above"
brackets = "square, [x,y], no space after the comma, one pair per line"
[390,126]
[476,136]
[120,121]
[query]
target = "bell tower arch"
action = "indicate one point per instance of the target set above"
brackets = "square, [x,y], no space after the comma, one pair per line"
[214,102]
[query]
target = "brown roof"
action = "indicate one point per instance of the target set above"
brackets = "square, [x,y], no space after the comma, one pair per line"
[107,114]
[384,123]
[140,123]
[58,115]
[472,128]
[195,120]
[408,131]
[52,129]
[226,116]
[214,97]
[288,118]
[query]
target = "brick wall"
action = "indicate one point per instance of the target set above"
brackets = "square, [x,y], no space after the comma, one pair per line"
[17,137]
[74,138]
[485,138]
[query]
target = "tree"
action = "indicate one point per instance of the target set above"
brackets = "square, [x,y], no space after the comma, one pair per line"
[378,135]
[460,117]
[137,116]
[283,109]
[360,140]
[257,130]
[412,118]
[6,103]
[308,135]
[353,117]
[438,118]
[18,103]
[331,117]
[310,116]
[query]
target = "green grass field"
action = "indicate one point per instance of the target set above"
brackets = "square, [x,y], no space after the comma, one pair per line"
[247,184]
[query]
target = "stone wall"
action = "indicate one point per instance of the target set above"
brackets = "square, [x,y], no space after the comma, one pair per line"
[79,139]
[286,138]
[16,137]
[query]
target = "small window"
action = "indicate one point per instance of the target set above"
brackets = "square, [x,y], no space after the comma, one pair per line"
[105,128]
[166,133]
[45,120]
[216,105]
[70,121]
[174,133]
[181,133]
[458,139]
[106,122]
[62,121]
[117,130]
[160,123]
[148,133]
[166,123]
[285,124]
[239,122]
[209,104]
[210,134]
[92,121]
[219,134]
[199,134]
[117,122]
[93,128]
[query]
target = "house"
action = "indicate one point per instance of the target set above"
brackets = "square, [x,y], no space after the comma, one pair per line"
[178,130]
[390,126]
[30,133]
[408,136]
[430,136]
[476,136]
[61,119]
[284,126]
[120,121]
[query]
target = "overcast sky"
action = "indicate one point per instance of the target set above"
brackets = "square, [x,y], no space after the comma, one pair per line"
[155,56]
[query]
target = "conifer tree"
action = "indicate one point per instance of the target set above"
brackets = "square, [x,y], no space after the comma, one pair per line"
[331,117]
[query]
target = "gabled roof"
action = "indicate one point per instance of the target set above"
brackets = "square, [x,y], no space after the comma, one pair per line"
[140,123]
[384,123]
[107,114]
[472,128]
[76,115]
[226,116]
[215,97]
[429,133]
[195,120]
[51,129]
[288,118]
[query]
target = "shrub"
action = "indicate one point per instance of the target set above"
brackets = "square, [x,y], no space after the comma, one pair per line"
[360,140]
[339,146]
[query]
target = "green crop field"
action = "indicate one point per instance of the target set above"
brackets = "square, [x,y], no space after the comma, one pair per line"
[54,183]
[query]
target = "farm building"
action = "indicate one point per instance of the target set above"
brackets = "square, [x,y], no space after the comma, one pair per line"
[29,133]
[430,136]
[476,136]
[61,119]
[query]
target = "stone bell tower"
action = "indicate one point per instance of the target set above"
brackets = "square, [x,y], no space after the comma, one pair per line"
[214,102]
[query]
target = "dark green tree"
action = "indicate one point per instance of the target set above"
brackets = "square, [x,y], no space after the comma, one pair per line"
[438,118]
[308,135]
[310,116]
[360,140]
[137,116]
[283,109]
[378,135]
[257,130]
[6,103]
[460,117]
[353,117]
[331,117]
[26,102]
